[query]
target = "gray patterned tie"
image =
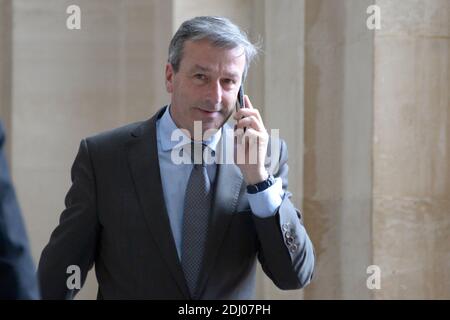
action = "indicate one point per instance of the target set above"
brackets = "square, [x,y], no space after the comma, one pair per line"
[197,205]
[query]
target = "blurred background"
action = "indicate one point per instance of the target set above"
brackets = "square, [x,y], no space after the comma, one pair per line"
[365,114]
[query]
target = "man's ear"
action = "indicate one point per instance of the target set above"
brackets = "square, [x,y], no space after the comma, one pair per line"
[169,77]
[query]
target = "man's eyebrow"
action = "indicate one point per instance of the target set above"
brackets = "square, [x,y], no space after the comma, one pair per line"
[206,69]
[232,74]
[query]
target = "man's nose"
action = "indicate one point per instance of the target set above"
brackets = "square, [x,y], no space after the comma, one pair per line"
[215,92]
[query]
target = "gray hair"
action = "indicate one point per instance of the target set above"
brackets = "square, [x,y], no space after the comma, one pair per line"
[220,31]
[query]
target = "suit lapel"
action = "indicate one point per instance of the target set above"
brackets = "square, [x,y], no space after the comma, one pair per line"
[144,167]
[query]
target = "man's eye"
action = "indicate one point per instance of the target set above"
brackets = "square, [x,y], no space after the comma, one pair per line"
[200,76]
[229,81]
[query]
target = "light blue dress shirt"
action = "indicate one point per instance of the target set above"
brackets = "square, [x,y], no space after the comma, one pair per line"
[175,178]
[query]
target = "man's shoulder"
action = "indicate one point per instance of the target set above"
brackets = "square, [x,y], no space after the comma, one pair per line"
[124,133]
[114,140]
[115,135]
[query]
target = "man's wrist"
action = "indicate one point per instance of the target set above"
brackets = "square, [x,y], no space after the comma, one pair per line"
[261,186]
[257,178]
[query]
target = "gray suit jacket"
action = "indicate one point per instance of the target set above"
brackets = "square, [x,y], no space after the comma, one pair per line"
[116,218]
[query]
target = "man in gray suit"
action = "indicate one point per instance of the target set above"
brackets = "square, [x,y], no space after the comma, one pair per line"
[156,228]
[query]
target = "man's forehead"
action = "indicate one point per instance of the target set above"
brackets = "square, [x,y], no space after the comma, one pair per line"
[203,56]
[206,46]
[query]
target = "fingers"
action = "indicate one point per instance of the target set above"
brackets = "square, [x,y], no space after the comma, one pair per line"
[250,135]
[247,102]
[242,113]
[248,111]
[250,122]
[249,118]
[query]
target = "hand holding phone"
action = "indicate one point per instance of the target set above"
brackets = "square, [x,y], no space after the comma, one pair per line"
[250,145]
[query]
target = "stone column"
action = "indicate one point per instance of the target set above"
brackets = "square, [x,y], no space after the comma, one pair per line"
[411,160]
[377,148]
[338,140]
[282,70]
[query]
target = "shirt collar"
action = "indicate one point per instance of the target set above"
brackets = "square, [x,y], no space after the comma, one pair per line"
[167,126]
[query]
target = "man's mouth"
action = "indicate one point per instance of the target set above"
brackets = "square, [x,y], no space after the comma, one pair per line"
[207,112]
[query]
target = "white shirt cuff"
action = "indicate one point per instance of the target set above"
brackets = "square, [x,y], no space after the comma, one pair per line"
[265,203]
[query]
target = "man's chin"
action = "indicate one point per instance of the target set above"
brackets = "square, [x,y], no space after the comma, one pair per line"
[208,131]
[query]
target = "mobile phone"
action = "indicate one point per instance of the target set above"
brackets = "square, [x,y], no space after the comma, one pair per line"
[240,103]
[240,98]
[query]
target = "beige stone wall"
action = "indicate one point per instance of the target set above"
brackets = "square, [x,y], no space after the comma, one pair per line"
[338,135]
[69,84]
[411,208]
